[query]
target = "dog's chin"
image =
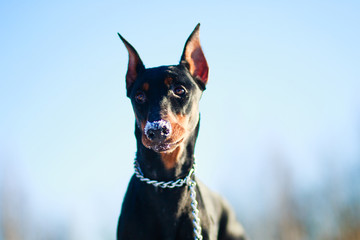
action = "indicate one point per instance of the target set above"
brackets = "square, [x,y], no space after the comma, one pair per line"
[160,148]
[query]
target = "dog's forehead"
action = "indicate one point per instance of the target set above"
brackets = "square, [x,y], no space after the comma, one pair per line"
[163,75]
[154,75]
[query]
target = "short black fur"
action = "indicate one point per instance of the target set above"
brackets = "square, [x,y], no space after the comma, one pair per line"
[151,213]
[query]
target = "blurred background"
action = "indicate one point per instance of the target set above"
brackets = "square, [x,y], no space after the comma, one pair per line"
[280,129]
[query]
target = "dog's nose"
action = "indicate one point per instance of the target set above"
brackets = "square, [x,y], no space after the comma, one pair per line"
[157,130]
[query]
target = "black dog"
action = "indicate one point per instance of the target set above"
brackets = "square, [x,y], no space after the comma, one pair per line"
[165,102]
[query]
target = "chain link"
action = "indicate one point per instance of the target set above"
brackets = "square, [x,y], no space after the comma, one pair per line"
[195,212]
[178,183]
[162,184]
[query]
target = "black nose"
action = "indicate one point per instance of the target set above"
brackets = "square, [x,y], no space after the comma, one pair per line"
[158,130]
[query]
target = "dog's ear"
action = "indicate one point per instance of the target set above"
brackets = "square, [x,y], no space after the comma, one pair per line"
[193,58]
[135,65]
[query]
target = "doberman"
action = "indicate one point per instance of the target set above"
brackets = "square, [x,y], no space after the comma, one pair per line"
[165,100]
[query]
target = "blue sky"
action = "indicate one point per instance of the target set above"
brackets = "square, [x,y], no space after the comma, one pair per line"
[283,84]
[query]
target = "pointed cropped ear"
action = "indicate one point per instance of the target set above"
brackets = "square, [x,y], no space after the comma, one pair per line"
[194,59]
[135,65]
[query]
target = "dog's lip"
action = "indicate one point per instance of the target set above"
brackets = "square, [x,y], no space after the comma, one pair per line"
[165,146]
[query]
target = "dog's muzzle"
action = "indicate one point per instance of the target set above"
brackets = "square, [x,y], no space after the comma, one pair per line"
[157,131]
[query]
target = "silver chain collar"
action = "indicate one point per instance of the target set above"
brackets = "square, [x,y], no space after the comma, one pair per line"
[178,183]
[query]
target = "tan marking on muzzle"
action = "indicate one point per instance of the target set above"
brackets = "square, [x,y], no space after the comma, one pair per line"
[179,133]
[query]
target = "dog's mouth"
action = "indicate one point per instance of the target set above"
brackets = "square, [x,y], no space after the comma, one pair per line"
[164,146]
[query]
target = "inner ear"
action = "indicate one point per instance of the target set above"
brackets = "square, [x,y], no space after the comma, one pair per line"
[193,57]
[135,65]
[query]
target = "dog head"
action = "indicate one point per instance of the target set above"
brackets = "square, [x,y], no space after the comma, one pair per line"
[165,99]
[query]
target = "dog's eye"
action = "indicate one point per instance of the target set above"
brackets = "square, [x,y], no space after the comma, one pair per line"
[140,97]
[180,91]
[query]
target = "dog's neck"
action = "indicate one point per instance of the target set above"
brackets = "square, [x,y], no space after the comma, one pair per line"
[152,163]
